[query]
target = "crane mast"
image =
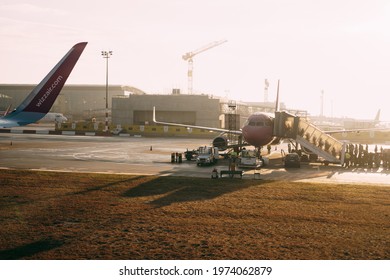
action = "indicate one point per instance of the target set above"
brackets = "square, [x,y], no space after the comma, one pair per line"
[189,57]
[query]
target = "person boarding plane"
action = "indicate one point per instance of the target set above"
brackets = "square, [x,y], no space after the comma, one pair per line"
[38,103]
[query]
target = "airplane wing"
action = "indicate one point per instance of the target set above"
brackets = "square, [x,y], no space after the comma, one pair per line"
[38,103]
[356,130]
[238,132]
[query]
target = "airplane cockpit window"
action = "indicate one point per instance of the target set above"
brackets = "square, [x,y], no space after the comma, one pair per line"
[259,123]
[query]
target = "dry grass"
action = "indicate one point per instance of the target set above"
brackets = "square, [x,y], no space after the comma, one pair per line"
[46,215]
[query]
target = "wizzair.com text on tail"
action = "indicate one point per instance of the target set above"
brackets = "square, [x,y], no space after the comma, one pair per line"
[39,102]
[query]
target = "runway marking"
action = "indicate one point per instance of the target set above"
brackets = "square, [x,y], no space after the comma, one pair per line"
[102,155]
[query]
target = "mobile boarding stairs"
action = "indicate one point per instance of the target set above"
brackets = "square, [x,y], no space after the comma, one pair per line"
[309,137]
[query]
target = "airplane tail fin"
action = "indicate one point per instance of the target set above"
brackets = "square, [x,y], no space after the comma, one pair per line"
[378,115]
[154,114]
[277,98]
[42,97]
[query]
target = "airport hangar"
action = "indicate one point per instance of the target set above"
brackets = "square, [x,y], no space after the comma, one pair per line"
[129,106]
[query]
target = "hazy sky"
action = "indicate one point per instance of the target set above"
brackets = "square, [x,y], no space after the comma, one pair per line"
[341,47]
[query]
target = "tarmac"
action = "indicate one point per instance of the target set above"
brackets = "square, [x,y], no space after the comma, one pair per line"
[152,156]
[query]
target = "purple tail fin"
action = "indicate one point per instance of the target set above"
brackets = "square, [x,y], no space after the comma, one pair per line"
[41,99]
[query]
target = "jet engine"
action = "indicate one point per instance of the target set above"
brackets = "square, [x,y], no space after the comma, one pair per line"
[221,142]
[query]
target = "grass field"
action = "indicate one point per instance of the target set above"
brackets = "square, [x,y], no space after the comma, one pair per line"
[47,215]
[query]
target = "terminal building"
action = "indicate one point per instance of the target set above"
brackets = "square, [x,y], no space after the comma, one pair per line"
[188,109]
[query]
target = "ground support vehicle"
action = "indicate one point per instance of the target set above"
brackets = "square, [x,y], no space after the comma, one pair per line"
[191,155]
[292,160]
[207,155]
[249,159]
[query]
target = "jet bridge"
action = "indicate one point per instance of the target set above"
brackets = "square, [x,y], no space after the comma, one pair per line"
[309,137]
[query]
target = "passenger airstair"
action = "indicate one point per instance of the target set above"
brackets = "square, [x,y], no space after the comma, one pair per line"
[309,137]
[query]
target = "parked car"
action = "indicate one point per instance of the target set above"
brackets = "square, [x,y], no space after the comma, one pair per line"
[292,160]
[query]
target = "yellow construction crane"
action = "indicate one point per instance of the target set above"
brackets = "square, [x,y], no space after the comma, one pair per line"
[188,56]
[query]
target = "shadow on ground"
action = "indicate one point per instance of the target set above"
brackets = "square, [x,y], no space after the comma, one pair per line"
[169,190]
[30,249]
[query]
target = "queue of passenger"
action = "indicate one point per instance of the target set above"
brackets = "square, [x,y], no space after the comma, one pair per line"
[358,156]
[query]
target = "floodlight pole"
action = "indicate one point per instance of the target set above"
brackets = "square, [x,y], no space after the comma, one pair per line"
[106,55]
